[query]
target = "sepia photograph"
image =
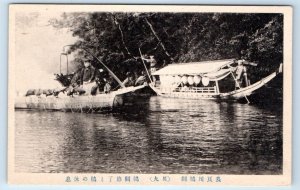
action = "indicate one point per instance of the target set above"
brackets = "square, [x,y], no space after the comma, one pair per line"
[131,94]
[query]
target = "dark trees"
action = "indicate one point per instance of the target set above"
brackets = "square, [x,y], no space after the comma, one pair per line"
[115,38]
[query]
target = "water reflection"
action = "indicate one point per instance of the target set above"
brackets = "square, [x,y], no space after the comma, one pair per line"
[160,135]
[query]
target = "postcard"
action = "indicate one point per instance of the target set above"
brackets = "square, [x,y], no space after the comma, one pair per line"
[150,95]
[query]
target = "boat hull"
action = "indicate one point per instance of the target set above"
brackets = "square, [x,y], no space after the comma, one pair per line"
[188,95]
[80,103]
[84,103]
[238,94]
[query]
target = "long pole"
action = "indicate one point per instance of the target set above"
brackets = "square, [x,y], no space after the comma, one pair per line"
[112,74]
[145,65]
[239,86]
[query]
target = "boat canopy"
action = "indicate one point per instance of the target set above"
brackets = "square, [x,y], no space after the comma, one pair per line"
[219,75]
[193,68]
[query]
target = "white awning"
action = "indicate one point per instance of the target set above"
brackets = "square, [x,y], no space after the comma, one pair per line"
[193,68]
[219,75]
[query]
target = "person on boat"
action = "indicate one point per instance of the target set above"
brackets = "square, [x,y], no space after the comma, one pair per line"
[141,79]
[75,81]
[153,64]
[82,79]
[107,86]
[87,78]
[240,70]
[88,73]
[129,81]
[100,83]
[75,84]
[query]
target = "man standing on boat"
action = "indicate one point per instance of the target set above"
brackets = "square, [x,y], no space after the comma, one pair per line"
[153,63]
[241,72]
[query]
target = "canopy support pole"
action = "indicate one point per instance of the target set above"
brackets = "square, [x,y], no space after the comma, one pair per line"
[217,85]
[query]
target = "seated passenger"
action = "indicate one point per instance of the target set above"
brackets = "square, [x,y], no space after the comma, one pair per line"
[107,87]
[81,82]
[99,83]
[129,81]
[141,79]
[87,73]
[75,83]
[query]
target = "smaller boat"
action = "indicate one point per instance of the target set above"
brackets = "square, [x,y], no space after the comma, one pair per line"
[58,100]
[208,80]
[80,103]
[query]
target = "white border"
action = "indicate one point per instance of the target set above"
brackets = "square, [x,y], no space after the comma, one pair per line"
[244,180]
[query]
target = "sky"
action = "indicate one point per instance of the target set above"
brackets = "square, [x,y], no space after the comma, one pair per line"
[38,46]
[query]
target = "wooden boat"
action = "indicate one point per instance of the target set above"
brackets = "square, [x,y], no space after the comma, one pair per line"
[78,103]
[203,80]
[83,103]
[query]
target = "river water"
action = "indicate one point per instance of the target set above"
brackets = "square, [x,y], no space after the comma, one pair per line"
[156,135]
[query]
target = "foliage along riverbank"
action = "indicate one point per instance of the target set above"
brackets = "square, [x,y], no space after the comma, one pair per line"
[118,39]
